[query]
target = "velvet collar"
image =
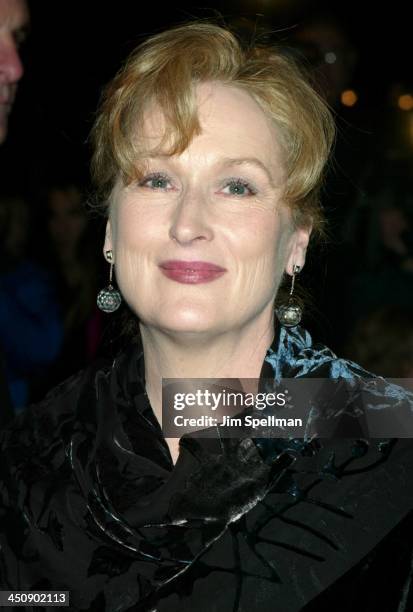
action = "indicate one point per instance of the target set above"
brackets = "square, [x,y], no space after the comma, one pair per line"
[97,489]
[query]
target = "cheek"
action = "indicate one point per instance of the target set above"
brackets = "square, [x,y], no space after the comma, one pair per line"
[134,231]
[136,236]
[262,244]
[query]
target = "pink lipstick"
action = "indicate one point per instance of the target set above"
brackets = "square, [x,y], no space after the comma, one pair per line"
[191,272]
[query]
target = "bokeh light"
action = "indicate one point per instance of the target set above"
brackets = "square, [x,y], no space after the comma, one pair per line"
[349,97]
[405,102]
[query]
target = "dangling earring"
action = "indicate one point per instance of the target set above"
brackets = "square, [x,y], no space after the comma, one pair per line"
[290,313]
[109,299]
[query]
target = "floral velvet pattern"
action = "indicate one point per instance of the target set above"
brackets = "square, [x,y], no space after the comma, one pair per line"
[91,503]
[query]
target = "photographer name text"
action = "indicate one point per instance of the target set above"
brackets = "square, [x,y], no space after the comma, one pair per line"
[228,421]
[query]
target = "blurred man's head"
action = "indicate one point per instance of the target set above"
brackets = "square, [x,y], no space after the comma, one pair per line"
[14,18]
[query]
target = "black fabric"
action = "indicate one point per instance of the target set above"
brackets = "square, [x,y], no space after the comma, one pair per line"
[91,503]
[6,410]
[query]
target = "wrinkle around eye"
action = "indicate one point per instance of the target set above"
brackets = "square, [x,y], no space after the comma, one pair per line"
[252,190]
[156,176]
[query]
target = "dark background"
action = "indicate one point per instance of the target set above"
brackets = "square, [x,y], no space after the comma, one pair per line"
[75,47]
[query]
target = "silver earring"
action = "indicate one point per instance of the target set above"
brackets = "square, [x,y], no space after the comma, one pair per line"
[109,298]
[290,313]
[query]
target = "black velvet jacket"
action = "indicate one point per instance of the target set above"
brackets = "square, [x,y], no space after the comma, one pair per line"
[91,503]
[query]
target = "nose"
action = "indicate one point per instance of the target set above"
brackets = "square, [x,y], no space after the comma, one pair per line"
[190,220]
[11,67]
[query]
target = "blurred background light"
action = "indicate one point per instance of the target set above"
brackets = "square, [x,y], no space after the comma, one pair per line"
[405,102]
[330,57]
[349,97]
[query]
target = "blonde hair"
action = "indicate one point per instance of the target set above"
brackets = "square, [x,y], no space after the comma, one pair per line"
[165,69]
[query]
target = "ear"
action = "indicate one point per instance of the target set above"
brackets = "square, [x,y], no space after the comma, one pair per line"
[298,248]
[108,244]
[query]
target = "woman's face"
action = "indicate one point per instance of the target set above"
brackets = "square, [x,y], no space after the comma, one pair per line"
[218,203]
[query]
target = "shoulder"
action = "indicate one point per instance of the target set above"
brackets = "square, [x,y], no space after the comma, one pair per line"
[74,402]
[40,434]
[301,356]
[345,397]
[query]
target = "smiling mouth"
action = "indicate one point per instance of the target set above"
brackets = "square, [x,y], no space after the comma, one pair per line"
[191,266]
[191,273]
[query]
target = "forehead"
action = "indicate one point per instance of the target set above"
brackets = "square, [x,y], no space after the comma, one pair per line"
[231,121]
[13,15]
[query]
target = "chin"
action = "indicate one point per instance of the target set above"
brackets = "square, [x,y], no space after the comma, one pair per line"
[188,323]
[184,321]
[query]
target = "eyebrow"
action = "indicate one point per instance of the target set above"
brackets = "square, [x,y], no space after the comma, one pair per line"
[251,161]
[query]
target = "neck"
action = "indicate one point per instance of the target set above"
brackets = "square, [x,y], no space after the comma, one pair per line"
[236,354]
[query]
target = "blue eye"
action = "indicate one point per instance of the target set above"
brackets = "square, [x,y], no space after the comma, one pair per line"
[155,181]
[239,187]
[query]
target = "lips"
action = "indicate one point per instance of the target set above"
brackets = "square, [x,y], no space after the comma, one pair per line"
[191,266]
[191,272]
